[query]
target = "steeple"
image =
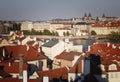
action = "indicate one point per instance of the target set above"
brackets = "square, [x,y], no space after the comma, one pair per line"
[85,15]
[103,15]
[89,14]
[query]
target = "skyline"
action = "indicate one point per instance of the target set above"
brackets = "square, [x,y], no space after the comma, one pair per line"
[52,9]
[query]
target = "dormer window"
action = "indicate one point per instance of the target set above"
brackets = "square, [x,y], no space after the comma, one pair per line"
[112,67]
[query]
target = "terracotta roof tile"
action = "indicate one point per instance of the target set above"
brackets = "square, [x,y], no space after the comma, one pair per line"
[13,68]
[30,54]
[68,55]
[56,73]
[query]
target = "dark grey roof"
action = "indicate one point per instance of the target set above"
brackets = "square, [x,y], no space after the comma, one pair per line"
[82,23]
[51,43]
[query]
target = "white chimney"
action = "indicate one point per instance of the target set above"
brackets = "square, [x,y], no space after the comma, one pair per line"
[108,44]
[25,76]
[3,52]
[28,47]
[39,49]
[9,64]
[89,48]
[67,50]
[45,79]
[82,66]
[22,33]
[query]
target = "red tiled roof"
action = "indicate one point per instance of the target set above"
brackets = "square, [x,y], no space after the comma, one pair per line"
[68,55]
[17,80]
[106,52]
[0,41]
[30,43]
[14,68]
[56,73]
[38,39]
[77,68]
[30,54]
[19,33]
[112,24]
[10,80]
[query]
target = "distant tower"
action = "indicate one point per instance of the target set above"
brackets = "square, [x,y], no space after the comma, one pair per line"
[89,16]
[85,17]
[97,19]
[103,17]
[21,61]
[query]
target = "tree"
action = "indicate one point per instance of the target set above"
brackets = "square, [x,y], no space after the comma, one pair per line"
[114,36]
[64,33]
[56,33]
[46,32]
[67,33]
[93,32]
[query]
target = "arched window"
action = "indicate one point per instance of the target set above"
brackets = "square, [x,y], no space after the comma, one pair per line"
[112,67]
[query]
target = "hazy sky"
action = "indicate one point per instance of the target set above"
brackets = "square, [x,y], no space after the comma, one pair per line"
[51,9]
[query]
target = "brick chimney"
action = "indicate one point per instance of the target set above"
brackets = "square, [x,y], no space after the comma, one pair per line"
[21,65]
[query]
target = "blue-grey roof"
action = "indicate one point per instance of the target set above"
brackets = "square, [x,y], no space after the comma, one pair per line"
[82,23]
[51,43]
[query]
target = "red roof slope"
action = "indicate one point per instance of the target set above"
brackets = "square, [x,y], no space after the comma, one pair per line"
[56,73]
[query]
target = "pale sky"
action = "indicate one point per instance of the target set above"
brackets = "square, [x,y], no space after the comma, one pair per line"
[51,9]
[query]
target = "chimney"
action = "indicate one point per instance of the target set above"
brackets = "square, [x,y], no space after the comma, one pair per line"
[89,48]
[25,76]
[9,64]
[3,52]
[21,65]
[67,50]
[108,44]
[82,66]
[28,47]
[45,79]
[34,38]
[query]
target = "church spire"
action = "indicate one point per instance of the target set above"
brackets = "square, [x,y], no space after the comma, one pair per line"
[85,15]
[103,15]
[89,14]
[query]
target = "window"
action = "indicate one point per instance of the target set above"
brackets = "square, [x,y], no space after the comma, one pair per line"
[111,75]
[116,75]
[112,67]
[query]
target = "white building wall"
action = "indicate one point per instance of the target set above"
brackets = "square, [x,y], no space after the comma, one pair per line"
[78,29]
[114,77]
[77,48]
[41,26]
[60,32]
[54,26]
[26,26]
[57,49]
[73,76]
[47,51]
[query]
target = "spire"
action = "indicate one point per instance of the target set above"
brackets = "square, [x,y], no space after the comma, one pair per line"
[103,15]
[89,14]
[97,19]
[85,15]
